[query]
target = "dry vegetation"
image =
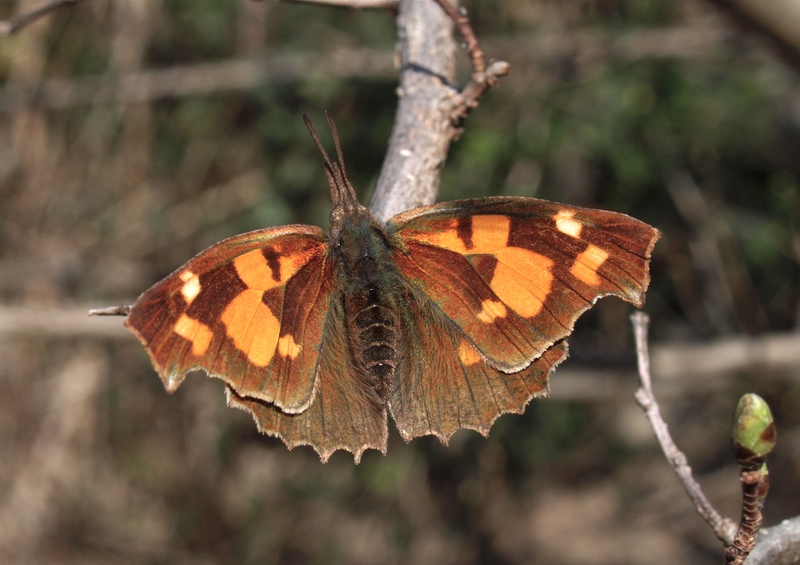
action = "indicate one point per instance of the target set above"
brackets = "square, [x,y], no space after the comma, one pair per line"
[134,133]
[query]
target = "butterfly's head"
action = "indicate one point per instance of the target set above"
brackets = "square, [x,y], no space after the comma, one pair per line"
[359,245]
[346,206]
[349,219]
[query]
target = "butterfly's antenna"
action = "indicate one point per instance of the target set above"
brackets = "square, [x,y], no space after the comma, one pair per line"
[336,143]
[313,132]
[341,189]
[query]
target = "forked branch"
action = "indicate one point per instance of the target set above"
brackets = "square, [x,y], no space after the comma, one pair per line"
[483,77]
[753,440]
[724,528]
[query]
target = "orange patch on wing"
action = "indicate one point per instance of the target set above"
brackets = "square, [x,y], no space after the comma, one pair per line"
[522,279]
[487,234]
[467,354]
[196,332]
[491,310]
[252,327]
[287,347]
[253,269]
[567,225]
[587,264]
[191,286]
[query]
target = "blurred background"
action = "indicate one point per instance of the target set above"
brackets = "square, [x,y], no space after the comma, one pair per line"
[135,133]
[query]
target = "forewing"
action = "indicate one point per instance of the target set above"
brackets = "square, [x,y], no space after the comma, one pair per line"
[513,274]
[249,310]
[346,413]
[443,383]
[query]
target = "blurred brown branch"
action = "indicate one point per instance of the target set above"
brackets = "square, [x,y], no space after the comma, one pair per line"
[588,47]
[236,74]
[358,4]
[676,364]
[742,353]
[777,22]
[51,462]
[15,24]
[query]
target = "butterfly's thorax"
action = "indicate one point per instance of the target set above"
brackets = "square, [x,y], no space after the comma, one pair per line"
[361,253]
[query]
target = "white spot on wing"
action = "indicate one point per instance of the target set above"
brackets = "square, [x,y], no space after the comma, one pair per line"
[566,224]
[191,286]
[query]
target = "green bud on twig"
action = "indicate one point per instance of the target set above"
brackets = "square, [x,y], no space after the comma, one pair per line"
[753,430]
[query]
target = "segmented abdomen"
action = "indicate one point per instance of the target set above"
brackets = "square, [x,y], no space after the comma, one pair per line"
[377,336]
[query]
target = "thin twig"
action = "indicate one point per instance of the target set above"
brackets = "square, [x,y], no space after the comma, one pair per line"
[459,17]
[724,528]
[121,310]
[755,484]
[12,26]
[483,78]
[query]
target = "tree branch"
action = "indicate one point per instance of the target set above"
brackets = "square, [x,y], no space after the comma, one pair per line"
[420,139]
[431,109]
[778,545]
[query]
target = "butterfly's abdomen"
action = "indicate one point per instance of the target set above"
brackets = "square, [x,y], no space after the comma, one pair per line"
[368,275]
[376,327]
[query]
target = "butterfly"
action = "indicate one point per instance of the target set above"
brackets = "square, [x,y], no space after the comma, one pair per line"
[444,317]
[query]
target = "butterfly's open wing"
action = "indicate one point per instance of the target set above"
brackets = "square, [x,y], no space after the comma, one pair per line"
[249,310]
[346,412]
[443,383]
[513,274]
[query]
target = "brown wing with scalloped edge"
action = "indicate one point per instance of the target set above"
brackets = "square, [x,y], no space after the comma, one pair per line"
[346,413]
[514,274]
[249,310]
[443,383]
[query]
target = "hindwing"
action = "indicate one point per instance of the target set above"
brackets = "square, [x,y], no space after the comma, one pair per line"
[443,383]
[346,412]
